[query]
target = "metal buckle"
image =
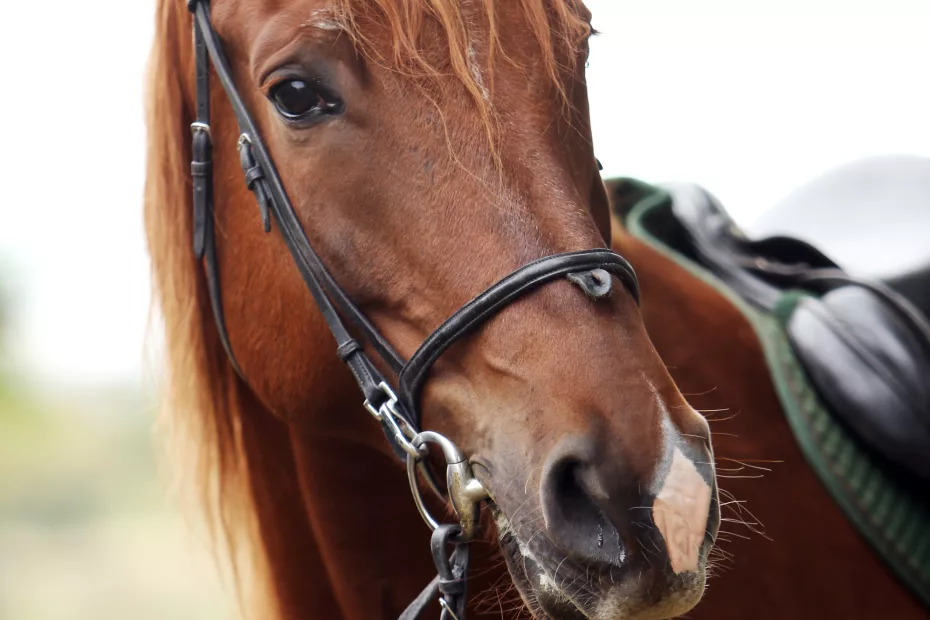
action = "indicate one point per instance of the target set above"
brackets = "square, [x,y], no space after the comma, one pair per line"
[204,127]
[244,139]
[387,414]
[465,491]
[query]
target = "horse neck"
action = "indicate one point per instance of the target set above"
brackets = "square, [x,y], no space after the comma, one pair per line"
[284,540]
[340,535]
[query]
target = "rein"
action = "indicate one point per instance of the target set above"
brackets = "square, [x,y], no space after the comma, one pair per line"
[398,411]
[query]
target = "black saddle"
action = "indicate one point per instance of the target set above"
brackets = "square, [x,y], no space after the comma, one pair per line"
[864,346]
[872,216]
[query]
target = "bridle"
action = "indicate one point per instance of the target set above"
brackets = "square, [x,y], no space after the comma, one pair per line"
[397,411]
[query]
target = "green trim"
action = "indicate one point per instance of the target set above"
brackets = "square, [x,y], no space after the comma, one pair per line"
[889,514]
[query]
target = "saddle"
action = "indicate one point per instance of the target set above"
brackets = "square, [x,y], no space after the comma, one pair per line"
[864,347]
[877,204]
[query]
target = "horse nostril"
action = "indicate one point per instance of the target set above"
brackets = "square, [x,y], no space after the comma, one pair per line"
[575,508]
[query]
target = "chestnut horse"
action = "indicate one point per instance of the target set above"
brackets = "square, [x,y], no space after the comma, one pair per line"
[431,147]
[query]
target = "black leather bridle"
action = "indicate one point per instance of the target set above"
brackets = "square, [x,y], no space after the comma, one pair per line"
[399,414]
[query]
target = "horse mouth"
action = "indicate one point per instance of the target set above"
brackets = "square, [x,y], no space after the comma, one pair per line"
[548,583]
[553,587]
[525,572]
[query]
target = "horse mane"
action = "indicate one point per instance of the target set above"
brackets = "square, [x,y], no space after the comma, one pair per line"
[558,26]
[203,410]
[200,416]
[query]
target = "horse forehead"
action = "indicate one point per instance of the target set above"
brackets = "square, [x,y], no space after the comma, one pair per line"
[278,20]
[272,21]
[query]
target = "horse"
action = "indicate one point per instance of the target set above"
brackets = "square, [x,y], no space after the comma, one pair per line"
[430,148]
[428,155]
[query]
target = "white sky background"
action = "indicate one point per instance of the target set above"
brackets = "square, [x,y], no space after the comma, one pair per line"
[748,98]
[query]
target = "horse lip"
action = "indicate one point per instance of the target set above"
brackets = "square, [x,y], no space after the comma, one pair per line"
[519,572]
[520,565]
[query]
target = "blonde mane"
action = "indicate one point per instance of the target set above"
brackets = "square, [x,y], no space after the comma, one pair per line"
[202,412]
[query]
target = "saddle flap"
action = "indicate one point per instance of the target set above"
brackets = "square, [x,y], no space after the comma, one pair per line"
[866,362]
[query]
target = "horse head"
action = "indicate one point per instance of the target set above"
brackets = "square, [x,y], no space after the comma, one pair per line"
[429,149]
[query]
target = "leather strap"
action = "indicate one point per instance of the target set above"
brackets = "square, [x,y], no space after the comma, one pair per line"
[317,277]
[827,278]
[422,601]
[453,571]
[450,583]
[204,240]
[267,186]
[255,181]
[488,303]
[202,146]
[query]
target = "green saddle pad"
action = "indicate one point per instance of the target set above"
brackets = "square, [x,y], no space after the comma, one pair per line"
[887,510]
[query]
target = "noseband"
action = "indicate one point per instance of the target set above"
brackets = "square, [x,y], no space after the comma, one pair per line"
[398,411]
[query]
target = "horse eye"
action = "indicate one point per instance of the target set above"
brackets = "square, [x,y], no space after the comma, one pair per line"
[295,98]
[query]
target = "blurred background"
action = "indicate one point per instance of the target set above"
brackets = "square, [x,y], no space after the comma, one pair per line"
[750,98]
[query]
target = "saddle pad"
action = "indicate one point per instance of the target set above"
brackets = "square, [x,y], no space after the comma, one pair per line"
[888,510]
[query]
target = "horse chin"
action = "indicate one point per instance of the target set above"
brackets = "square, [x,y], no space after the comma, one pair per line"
[534,585]
[554,588]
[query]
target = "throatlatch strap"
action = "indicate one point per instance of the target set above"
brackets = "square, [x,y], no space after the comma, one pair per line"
[202,145]
[204,222]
